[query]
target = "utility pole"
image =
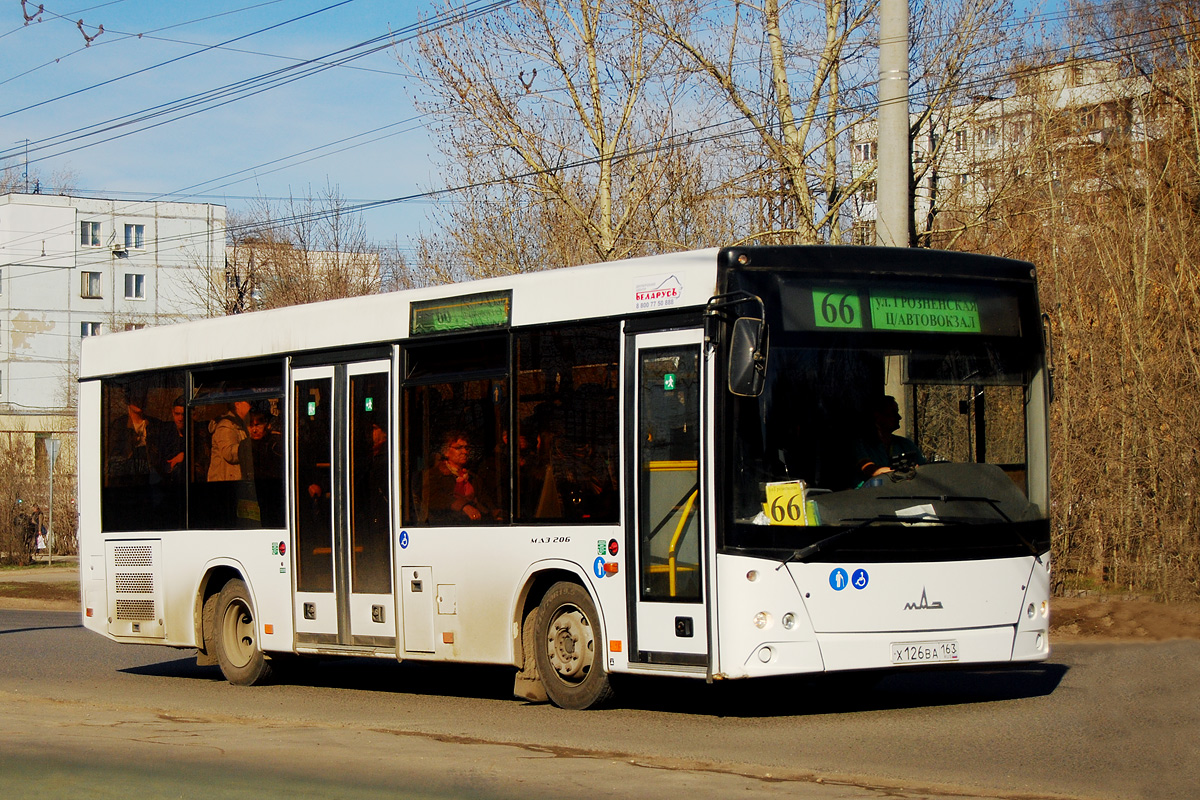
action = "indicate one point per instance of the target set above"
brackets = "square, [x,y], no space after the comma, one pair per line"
[894,166]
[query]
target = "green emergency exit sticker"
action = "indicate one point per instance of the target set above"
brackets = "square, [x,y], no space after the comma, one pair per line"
[312,408]
[669,382]
[369,404]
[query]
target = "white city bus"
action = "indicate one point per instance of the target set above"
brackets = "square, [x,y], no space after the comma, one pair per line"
[682,465]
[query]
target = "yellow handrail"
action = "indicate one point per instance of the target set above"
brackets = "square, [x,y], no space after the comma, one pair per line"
[683,518]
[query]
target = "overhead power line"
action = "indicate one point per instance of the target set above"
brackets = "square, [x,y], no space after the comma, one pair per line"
[155,116]
[713,132]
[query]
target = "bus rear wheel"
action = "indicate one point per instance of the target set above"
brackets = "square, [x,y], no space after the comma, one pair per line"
[568,649]
[242,662]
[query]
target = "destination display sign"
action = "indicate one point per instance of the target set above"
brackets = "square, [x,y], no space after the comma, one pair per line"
[467,312]
[852,307]
[928,311]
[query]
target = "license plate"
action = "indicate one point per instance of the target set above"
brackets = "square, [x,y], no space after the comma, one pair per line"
[924,652]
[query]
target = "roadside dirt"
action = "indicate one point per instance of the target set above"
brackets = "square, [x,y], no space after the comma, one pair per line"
[1071,618]
[1117,618]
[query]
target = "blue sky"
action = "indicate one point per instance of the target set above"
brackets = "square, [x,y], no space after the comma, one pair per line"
[241,149]
[44,60]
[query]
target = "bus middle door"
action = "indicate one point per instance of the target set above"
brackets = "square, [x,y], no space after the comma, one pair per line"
[342,507]
[670,618]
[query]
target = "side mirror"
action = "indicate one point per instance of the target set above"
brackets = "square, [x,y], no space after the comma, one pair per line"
[748,357]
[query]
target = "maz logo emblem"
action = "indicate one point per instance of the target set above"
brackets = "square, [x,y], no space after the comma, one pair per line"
[924,604]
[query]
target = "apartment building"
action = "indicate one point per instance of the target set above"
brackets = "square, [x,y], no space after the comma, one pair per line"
[72,267]
[968,156]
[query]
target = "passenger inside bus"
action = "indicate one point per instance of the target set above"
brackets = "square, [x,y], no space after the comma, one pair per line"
[261,453]
[228,432]
[130,437]
[169,446]
[452,492]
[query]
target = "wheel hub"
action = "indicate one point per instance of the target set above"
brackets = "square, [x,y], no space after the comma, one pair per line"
[239,628]
[570,644]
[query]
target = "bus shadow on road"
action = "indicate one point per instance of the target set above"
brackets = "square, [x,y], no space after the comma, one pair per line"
[362,674]
[809,695]
[840,693]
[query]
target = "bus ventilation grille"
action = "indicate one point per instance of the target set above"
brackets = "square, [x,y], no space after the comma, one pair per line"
[134,587]
[133,556]
[134,583]
[135,610]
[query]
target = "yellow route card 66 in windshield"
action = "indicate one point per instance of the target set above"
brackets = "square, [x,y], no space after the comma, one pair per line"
[786,504]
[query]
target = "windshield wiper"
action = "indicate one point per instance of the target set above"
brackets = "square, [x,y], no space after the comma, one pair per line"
[995,504]
[810,550]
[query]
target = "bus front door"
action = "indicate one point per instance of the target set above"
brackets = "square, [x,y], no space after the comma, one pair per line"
[670,620]
[342,507]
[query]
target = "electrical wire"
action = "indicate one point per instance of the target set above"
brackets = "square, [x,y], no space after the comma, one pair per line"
[688,137]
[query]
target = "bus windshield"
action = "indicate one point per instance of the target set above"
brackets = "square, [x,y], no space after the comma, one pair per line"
[910,430]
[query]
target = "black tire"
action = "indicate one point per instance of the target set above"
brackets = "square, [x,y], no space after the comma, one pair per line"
[569,650]
[241,660]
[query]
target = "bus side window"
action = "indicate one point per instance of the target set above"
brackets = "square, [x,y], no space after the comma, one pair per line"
[142,449]
[567,424]
[455,447]
[236,466]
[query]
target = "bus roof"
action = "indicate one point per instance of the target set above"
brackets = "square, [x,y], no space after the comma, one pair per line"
[676,280]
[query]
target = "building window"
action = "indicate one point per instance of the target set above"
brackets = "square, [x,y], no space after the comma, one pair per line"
[134,326]
[960,141]
[863,233]
[869,192]
[135,286]
[89,285]
[865,151]
[135,237]
[89,234]
[89,329]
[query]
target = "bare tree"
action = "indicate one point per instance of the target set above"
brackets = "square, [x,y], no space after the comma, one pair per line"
[16,459]
[1105,199]
[796,102]
[298,251]
[961,58]
[560,118]
[14,178]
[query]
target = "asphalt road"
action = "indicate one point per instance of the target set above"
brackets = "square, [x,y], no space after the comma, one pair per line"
[89,718]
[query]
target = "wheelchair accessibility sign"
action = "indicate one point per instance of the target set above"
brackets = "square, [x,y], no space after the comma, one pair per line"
[839,579]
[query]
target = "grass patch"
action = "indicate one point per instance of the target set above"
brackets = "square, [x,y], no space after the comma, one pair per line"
[34,590]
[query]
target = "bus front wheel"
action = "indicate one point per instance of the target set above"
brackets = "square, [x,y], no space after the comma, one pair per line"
[569,651]
[238,653]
